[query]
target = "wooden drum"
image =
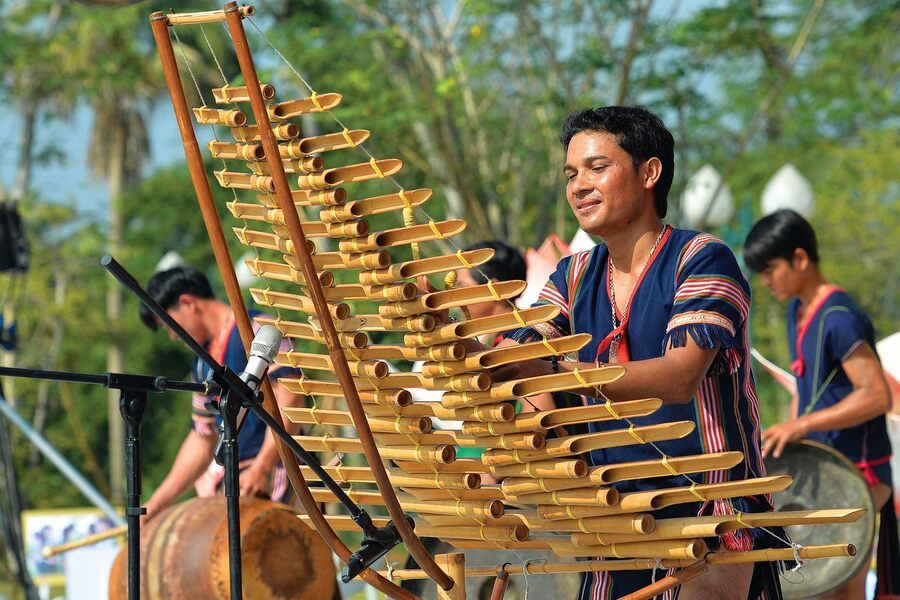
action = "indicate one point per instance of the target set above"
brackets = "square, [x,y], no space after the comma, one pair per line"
[184,554]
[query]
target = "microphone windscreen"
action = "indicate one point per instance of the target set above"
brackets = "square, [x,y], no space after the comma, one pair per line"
[266,342]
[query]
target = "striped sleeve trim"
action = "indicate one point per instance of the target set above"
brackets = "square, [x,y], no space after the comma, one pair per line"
[701,317]
[714,287]
[690,250]
[550,294]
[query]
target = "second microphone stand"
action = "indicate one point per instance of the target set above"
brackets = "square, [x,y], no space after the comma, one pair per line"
[377,541]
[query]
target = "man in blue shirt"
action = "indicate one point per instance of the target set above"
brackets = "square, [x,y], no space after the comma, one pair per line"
[842,395]
[187,296]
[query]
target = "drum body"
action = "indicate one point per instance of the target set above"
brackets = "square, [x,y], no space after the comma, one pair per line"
[823,478]
[184,554]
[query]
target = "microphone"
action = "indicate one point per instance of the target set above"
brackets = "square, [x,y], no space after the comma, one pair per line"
[262,352]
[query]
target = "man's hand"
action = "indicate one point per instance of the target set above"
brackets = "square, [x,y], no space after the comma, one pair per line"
[776,437]
[254,480]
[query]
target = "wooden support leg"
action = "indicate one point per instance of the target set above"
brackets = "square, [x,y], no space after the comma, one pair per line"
[455,566]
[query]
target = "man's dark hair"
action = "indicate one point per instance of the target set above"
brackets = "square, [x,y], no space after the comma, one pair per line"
[167,286]
[639,132]
[778,235]
[507,263]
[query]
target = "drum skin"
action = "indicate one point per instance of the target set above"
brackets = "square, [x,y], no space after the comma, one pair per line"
[823,478]
[184,555]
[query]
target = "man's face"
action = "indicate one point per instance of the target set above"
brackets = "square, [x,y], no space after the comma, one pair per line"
[782,278]
[603,188]
[186,313]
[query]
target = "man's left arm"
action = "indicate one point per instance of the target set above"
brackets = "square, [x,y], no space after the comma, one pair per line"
[870,398]
[255,478]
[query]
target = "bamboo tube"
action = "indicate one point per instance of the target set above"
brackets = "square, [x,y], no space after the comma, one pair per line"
[310,104]
[350,291]
[578,444]
[472,382]
[324,143]
[297,302]
[454,565]
[676,549]
[525,441]
[292,329]
[486,533]
[508,545]
[376,205]
[634,470]
[250,133]
[415,425]
[306,164]
[215,116]
[345,522]
[460,508]
[498,412]
[425,266]
[445,299]
[383,397]
[496,357]
[656,468]
[379,323]
[51,551]
[714,525]
[373,369]
[656,499]
[316,229]
[482,494]
[780,554]
[462,465]
[553,469]
[225,150]
[211,16]
[629,524]
[668,582]
[349,174]
[484,325]
[329,197]
[565,416]
[283,272]
[453,350]
[340,260]
[244,181]
[268,241]
[403,236]
[520,388]
[232,94]
[575,497]
[673,549]
[449,481]
[420,453]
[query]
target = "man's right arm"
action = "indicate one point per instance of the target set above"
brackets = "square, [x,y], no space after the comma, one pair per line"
[193,459]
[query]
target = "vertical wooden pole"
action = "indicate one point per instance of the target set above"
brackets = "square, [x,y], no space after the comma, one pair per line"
[160,25]
[314,288]
[453,565]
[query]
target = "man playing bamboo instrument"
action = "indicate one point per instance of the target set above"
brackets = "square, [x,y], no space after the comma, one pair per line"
[187,296]
[673,305]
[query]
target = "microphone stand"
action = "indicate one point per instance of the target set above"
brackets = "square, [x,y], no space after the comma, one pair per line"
[133,390]
[377,541]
